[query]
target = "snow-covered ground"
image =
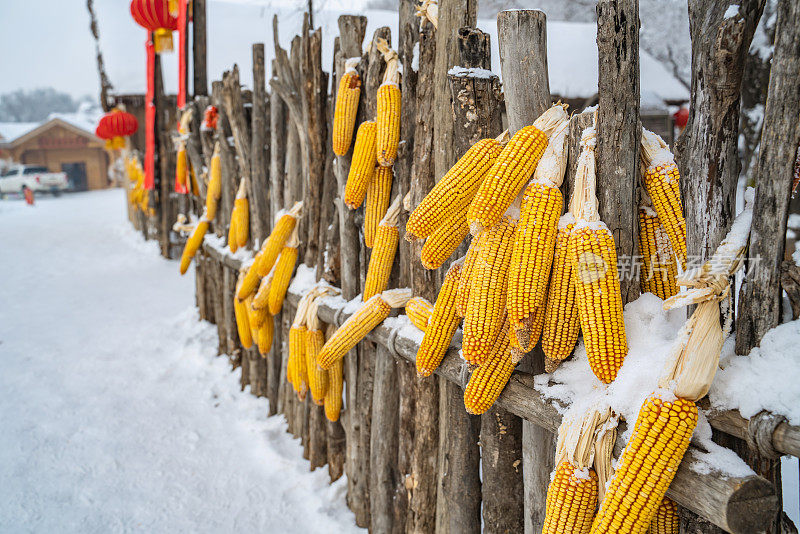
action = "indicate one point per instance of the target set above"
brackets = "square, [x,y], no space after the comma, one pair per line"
[116,415]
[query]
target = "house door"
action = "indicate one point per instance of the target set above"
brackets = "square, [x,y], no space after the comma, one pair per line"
[76,172]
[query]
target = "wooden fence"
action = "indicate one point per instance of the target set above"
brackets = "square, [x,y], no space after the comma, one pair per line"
[415,460]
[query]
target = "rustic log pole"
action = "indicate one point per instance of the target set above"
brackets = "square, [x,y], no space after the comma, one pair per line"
[523,60]
[421,481]
[259,171]
[227,165]
[384,442]
[166,163]
[199,40]
[619,131]
[453,14]
[318,437]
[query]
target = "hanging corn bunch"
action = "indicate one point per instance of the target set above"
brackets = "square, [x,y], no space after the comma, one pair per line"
[593,257]
[668,417]
[490,377]
[296,369]
[454,192]
[486,305]
[444,241]
[383,252]
[419,312]
[315,340]
[240,219]
[378,196]
[344,115]
[266,334]
[388,113]
[242,319]
[468,268]
[193,243]
[283,274]
[362,166]
[442,324]
[662,183]
[512,170]
[261,298]
[658,260]
[214,189]
[535,238]
[182,161]
[333,394]
[361,323]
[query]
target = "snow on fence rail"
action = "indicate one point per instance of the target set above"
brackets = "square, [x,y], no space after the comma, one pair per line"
[415,460]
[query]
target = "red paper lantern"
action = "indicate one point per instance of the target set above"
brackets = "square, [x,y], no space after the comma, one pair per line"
[114,126]
[681,117]
[155,16]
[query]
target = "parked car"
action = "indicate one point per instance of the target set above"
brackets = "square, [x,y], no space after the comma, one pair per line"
[34,177]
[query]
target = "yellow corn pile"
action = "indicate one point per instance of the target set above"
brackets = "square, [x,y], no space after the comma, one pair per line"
[666,520]
[466,273]
[193,244]
[512,170]
[344,115]
[486,305]
[388,113]
[659,269]
[488,380]
[283,275]
[662,183]
[214,188]
[378,196]
[383,252]
[444,241]
[561,325]
[442,325]
[362,166]
[419,312]
[454,192]
[361,323]
[242,319]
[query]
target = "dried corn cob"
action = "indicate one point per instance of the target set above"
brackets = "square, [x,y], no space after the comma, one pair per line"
[265,335]
[454,192]
[442,324]
[512,170]
[261,298]
[467,271]
[361,323]
[561,325]
[362,166]
[490,378]
[258,316]
[193,244]
[662,183]
[251,279]
[378,197]
[296,371]
[486,305]
[534,240]
[419,312]
[242,320]
[388,114]
[277,238]
[593,257]
[233,244]
[315,339]
[333,395]
[658,261]
[444,241]
[283,275]
[666,520]
[383,253]
[344,115]
[214,188]
[240,220]
[182,167]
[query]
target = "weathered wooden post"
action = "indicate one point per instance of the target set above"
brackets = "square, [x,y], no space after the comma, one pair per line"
[199,59]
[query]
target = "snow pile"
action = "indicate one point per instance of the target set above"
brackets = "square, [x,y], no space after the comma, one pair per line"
[304,279]
[405,328]
[769,374]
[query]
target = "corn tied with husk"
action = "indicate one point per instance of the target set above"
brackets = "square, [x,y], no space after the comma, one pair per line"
[265,335]
[315,340]
[283,274]
[362,165]
[333,394]
[388,112]
[378,197]
[442,324]
[242,319]
[193,243]
[659,268]
[344,115]
[383,252]
[214,187]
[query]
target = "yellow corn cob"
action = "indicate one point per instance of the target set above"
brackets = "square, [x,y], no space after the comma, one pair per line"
[193,244]
[214,188]
[317,378]
[265,335]
[659,269]
[662,183]
[277,239]
[593,257]
[561,324]
[444,241]
[648,465]
[537,326]
[251,279]
[388,124]
[362,166]
[534,246]
[382,257]
[283,275]
[333,395]
[666,520]
[344,115]
[442,324]
[486,305]
[488,380]
[378,197]
[242,214]
[571,500]
[467,271]
[454,192]
[233,244]
[296,367]
[361,323]
[258,316]
[419,312]
[261,298]
[181,166]
[242,319]
[512,170]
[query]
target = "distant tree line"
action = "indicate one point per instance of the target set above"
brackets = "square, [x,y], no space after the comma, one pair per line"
[34,105]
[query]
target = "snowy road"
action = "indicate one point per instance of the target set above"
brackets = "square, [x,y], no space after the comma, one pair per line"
[115,414]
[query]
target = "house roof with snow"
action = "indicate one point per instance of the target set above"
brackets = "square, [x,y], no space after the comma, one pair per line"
[82,122]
